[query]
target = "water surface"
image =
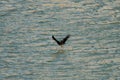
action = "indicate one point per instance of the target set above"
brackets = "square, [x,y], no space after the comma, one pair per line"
[27,51]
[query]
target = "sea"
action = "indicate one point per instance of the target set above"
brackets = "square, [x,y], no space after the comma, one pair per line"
[28,52]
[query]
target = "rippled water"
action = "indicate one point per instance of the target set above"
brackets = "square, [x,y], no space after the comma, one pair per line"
[27,51]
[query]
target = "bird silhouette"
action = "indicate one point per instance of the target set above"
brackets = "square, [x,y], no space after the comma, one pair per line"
[62,42]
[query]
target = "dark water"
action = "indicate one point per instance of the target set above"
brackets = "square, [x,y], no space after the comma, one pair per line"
[27,51]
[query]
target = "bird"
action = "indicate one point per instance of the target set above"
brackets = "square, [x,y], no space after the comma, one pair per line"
[62,42]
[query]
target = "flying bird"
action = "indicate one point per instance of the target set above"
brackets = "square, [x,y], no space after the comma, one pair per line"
[62,42]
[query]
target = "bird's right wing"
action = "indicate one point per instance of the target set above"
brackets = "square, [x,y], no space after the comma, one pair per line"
[65,39]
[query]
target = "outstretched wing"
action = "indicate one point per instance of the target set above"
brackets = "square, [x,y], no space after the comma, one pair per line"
[65,39]
[56,40]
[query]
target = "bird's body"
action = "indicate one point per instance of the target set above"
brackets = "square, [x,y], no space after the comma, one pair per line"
[62,42]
